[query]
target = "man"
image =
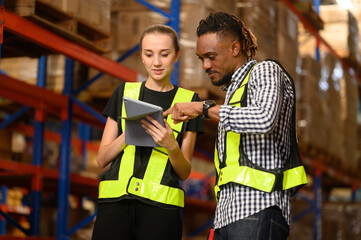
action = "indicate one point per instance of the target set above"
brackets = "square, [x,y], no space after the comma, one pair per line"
[256,156]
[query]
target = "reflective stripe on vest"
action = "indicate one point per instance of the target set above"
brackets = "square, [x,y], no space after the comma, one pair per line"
[250,174]
[150,186]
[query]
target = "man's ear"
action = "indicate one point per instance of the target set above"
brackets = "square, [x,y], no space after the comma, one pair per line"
[236,48]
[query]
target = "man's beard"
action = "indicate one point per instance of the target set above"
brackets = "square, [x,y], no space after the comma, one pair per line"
[224,80]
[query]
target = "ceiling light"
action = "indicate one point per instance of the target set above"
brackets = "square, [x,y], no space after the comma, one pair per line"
[345,4]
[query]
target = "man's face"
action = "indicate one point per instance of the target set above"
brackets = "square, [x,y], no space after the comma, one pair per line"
[216,56]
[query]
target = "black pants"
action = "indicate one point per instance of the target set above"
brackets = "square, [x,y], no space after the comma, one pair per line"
[135,220]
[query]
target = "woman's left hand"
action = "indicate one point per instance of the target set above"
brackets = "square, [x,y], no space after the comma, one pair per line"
[163,136]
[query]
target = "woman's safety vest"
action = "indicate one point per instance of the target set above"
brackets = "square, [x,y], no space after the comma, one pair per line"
[150,186]
[237,168]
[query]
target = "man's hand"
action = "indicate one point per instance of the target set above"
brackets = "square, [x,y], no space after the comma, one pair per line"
[184,111]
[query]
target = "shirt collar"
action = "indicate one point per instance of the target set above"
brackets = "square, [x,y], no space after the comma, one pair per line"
[241,72]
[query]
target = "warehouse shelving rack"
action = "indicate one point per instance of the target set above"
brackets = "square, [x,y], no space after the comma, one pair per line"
[45,102]
[66,106]
[319,167]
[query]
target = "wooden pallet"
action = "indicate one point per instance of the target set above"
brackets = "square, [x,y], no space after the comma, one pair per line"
[62,23]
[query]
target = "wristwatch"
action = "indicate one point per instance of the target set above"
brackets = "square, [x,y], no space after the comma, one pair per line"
[206,105]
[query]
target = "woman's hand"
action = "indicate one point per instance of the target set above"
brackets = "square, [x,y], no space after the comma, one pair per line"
[163,136]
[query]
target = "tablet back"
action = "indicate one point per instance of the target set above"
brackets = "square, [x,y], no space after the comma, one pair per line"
[137,110]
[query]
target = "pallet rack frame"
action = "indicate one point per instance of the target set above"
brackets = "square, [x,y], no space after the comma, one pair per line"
[66,104]
[321,168]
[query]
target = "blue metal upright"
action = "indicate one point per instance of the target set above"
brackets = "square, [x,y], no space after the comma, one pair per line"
[316,4]
[353,192]
[37,160]
[174,23]
[4,191]
[65,151]
[318,205]
[84,135]
[42,71]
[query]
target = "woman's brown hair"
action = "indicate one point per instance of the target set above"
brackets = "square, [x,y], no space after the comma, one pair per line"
[162,29]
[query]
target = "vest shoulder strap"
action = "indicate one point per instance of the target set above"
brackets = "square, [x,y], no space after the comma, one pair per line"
[239,96]
[182,95]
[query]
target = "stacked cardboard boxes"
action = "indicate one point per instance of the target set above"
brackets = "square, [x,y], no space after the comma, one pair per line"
[127,26]
[26,69]
[344,23]
[260,17]
[191,74]
[329,84]
[327,108]
[340,32]
[311,117]
[349,101]
[339,94]
[287,39]
[95,13]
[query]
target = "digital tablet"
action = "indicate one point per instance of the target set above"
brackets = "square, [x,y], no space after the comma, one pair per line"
[136,110]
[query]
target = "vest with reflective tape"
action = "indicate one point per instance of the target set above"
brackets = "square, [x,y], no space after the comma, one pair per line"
[150,186]
[237,168]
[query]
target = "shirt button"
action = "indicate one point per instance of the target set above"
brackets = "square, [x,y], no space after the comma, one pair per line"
[137,184]
[136,189]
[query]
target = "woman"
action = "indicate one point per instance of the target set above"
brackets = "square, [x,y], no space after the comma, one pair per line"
[140,196]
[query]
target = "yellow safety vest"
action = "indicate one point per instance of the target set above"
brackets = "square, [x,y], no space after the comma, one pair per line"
[237,168]
[150,186]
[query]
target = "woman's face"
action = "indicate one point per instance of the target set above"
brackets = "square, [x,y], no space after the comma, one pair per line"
[158,56]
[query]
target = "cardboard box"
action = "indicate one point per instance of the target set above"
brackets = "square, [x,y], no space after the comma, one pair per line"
[191,73]
[127,27]
[287,21]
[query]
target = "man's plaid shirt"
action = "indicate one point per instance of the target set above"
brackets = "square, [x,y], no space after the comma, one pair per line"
[266,137]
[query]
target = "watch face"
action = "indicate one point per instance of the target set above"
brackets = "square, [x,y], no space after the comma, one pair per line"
[207,104]
[210,102]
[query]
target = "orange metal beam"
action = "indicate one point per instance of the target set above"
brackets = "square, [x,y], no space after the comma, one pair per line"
[28,169]
[40,98]
[28,131]
[49,40]
[26,238]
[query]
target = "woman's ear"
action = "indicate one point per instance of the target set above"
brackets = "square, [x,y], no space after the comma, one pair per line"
[177,56]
